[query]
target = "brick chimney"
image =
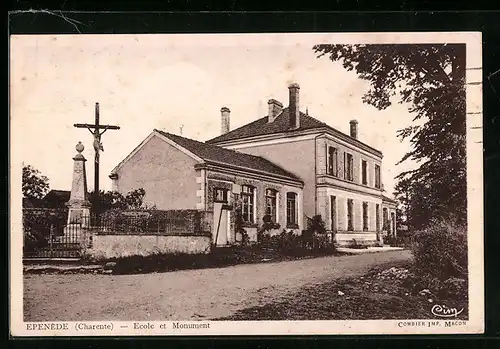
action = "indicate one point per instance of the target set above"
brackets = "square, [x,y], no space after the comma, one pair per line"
[225,122]
[293,107]
[275,109]
[354,128]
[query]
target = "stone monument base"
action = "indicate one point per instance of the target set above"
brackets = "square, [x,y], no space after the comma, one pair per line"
[75,234]
[79,216]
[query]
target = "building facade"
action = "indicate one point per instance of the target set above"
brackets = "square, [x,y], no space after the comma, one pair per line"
[342,175]
[286,166]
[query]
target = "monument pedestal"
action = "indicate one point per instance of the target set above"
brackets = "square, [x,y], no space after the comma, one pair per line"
[76,234]
[78,225]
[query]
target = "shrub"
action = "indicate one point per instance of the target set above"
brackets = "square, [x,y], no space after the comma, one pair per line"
[286,241]
[37,225]
[159,263]
[315,235]
[263,233]
[454,288]
[239,229]
[267,225]
[356,245]
[33,240]
[321,242]
[316,225]
[313,239]
[395,241]
[440,251]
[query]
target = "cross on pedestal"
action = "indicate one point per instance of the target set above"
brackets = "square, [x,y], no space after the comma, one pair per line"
[95,130]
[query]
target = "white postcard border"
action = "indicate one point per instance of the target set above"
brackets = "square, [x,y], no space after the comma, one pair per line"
[475,324]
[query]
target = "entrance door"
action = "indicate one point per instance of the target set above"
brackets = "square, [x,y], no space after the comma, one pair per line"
[221,229]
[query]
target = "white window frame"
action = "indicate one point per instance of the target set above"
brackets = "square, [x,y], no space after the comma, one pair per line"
[253,196]
[276,194]
[296,208]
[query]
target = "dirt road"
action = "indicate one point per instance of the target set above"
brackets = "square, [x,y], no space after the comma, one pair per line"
[184,295]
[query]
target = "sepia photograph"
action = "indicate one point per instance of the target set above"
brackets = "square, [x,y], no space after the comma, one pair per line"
[195,184]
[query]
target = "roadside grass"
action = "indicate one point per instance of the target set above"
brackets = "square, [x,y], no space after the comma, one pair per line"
[370,297]
[221,257]
[158,263]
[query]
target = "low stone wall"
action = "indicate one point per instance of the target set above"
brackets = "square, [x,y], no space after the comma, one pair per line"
[105,246]
[362,238]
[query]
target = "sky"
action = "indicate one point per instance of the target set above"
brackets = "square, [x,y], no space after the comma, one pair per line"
[167,82]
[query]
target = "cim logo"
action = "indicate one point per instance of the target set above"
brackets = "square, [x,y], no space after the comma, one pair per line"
[444,311]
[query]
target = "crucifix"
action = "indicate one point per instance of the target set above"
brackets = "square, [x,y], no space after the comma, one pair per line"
[97,131]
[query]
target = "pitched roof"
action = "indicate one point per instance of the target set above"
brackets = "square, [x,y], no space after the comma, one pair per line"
[60,194]
[216,154]
[262,127]
[57,198]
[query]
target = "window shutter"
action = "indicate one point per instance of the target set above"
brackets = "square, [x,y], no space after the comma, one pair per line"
[327,159]
[345,165]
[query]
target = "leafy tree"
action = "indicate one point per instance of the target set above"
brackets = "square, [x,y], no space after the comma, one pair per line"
[403,192]
[114,200]
[108,200]
[35,185]
[430,78]
[134,199]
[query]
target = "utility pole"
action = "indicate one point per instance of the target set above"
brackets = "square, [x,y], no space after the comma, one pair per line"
[95,130]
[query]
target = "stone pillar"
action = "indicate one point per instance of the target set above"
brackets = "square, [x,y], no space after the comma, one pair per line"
[78,204]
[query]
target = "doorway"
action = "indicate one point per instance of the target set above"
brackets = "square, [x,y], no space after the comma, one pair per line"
[221,226]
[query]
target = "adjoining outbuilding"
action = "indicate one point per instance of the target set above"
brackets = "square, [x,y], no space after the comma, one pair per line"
[181,173]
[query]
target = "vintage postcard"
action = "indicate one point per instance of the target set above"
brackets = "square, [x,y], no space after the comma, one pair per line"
[249,184]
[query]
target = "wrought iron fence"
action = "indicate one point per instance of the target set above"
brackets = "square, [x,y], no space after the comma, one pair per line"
[172,222]
[67,245]
[47,234]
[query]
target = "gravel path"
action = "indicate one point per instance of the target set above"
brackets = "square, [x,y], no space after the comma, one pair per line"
[184,295]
